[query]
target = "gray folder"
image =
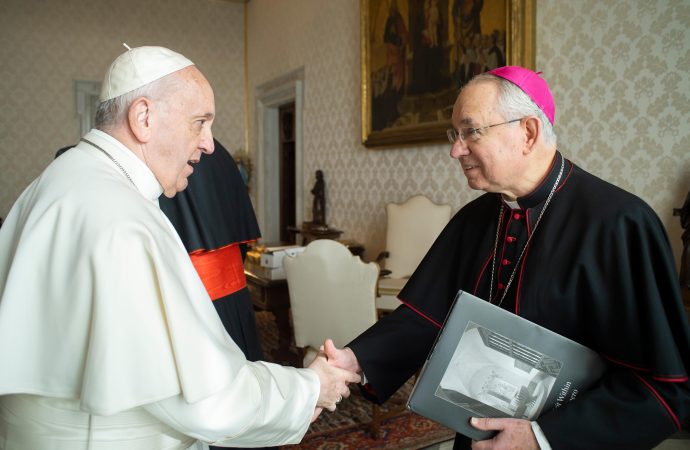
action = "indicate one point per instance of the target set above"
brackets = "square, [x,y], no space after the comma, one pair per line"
[488,362]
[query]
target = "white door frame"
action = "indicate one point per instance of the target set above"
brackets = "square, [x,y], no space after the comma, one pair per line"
[270,96]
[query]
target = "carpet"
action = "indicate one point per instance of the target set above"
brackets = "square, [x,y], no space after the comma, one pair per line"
[348,427]
[406,431]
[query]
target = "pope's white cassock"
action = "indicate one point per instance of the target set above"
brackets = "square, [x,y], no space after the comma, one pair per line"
[108,339]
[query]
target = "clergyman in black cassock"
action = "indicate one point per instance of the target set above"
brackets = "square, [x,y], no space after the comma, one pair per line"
[215,212]
[567,251]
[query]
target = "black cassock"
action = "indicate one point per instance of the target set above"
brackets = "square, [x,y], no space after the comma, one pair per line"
[598,270]
[213,212]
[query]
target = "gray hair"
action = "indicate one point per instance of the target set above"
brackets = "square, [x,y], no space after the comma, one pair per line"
[113,112]
[513,103]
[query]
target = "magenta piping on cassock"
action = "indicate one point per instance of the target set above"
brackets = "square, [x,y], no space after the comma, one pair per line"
[680,378]
[660,399]
[433,322]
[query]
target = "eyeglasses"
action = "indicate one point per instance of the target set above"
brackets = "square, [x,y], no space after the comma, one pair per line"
[472,134]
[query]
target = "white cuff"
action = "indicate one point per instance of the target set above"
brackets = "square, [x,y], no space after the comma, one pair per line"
[541,438]
[265,404]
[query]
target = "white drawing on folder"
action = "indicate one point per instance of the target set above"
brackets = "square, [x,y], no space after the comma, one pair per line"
[494,376]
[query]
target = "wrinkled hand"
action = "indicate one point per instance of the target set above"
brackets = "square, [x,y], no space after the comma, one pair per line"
[513,434]
[334,381]
[344,358]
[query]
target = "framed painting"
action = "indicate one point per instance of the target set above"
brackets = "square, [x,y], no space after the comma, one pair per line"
[417,54]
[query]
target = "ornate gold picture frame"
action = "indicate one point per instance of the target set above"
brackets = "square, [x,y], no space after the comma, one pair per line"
[417,54]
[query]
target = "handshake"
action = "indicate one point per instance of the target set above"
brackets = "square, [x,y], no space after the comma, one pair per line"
[336,369]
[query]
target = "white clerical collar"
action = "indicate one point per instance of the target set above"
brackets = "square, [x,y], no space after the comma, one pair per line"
[512,204]
[142,177]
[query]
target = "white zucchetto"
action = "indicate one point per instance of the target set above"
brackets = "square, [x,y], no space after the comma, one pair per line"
[138,67]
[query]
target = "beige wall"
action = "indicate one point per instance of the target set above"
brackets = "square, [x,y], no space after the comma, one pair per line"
[46,45]
[619,71]
[323,38]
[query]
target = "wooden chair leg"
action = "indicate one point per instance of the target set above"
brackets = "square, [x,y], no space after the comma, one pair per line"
[377,416]
[375,421]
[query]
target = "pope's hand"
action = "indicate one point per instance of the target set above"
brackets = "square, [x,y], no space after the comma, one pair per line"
[334,381]
[344,358]
[512,434]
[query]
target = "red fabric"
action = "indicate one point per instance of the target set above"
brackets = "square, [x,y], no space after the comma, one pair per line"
[221,270]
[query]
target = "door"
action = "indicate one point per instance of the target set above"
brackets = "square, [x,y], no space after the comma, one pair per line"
[286,157]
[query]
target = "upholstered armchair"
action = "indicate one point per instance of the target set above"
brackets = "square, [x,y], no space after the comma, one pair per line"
[332,295]
[411,228]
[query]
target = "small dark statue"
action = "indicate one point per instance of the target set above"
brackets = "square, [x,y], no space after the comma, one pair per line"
[319,205]
[684,214]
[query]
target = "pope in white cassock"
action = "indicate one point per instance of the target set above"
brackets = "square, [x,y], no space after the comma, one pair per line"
[108,339]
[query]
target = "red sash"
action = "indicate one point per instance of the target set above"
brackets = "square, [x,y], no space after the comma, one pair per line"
[221,270]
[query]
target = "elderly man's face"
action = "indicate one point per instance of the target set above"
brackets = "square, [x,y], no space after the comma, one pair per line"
[492,163]
[183,131]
